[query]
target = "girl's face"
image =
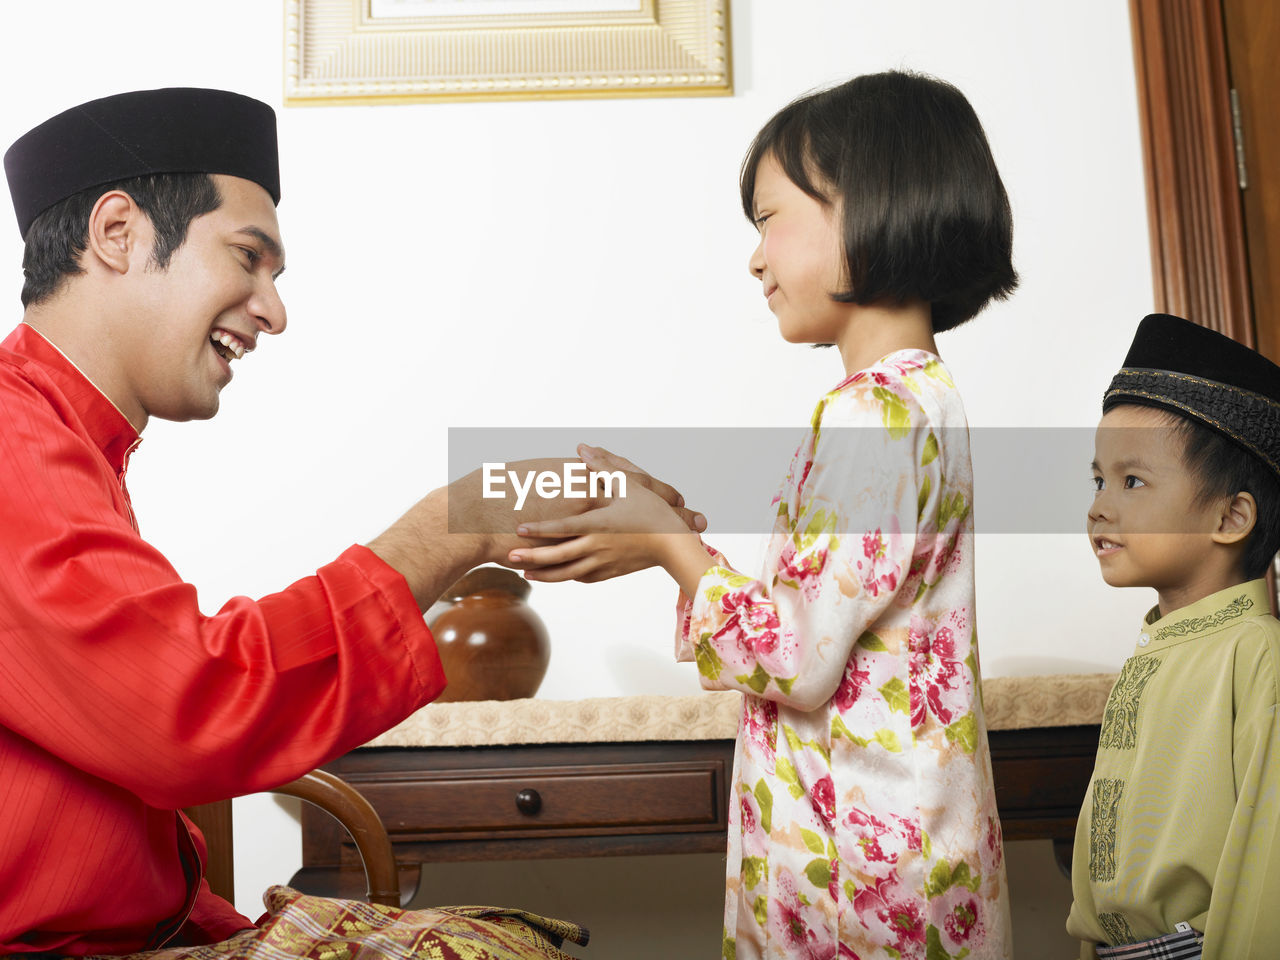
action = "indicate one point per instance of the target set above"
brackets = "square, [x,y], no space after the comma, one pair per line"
[799,259]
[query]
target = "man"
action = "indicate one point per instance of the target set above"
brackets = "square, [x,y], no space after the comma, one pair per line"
[152,254]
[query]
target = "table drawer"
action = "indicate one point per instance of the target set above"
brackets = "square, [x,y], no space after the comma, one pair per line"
[589,797]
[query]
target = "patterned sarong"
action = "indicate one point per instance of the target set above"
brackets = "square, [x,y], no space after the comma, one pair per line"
[315,928]
[1183,945]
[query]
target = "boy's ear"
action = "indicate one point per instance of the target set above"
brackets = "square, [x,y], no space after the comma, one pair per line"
[116,225]
[1239,514]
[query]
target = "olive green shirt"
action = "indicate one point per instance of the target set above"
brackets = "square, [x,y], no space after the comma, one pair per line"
[1182,818]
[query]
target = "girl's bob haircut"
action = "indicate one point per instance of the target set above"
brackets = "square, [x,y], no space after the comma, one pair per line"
[924,213]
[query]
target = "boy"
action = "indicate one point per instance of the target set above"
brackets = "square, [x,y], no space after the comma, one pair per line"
[1177,852]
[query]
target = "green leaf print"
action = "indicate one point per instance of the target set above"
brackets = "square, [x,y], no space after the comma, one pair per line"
[787,774]
[840,729]
[755,870]
[709,663]
[850,890]
[934,950]
[896,695]
[757,681]
[952,507]
[761,909]
[922,500]
[793,739]
[942,878]
[930,450]
[819,873]
[820,523]
[784,684]
[889,740]
[869,641]
[964,733]
[894,413]
[728,948]
[716,592]
[764,798]
[813,841]
[937,371]
[926,845]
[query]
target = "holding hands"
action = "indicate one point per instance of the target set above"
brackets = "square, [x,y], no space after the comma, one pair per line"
[648,526]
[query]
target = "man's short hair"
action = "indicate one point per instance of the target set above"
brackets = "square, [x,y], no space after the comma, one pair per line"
[1224,469]
[924,211]
[58,236]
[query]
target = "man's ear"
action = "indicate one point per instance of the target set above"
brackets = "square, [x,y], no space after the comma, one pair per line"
[1239,514]
[119,232]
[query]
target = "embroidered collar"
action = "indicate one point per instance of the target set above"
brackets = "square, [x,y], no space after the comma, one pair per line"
[1216,611]
[110,429]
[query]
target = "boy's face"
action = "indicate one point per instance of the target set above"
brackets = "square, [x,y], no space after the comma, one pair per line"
[1147,524]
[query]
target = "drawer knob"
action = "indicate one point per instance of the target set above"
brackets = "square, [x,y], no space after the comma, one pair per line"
[528,801]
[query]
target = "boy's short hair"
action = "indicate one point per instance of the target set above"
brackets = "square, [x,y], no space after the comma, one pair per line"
[1224,469]
[57,237]
[924,212]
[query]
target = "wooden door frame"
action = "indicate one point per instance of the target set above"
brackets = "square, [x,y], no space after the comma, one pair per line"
[1198,256]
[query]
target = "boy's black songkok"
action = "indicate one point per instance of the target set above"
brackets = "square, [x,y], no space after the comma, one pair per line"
[1199,373]
[172,130]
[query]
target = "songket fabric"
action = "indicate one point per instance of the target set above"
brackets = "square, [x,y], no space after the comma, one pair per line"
[121,702]
[298,926]
[1181,823]
[863,818]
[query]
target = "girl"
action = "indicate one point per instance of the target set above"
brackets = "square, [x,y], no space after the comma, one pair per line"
[863,818]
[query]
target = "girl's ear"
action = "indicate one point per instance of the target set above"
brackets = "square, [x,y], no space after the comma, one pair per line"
[116,225]
[1238,517]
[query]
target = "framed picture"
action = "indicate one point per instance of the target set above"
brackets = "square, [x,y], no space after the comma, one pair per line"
[386,51]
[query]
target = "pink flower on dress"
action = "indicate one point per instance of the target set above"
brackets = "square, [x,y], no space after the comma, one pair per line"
[788,923]
[760,728]
[851,686]
[898,913]
[961,921]
[995,841]
[867,832]
[752,624]
[748,816]
[878,571]
[911,831]
[938,680]
[822,797]
[804,570]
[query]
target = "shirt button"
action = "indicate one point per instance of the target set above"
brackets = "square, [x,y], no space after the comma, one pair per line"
[1143,639]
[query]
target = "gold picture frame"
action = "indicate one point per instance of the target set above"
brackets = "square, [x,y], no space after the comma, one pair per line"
[396,51]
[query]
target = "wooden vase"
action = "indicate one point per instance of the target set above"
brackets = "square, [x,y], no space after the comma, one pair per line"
[493,645]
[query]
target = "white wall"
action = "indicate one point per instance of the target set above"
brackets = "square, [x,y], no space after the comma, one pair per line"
[583,263]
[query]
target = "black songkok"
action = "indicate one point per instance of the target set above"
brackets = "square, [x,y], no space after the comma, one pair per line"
[1199,373]
[173,130]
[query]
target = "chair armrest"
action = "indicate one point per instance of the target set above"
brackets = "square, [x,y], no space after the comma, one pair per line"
[345,804]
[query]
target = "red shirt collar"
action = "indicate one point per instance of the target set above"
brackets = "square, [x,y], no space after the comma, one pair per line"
[109,429]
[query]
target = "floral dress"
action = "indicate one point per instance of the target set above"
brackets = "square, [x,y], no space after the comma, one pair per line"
[862,820]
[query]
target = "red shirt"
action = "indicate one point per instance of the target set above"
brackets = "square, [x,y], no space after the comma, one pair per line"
[121,703]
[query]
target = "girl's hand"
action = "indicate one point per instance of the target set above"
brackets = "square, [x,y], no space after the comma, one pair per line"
[600,459]
[626,534]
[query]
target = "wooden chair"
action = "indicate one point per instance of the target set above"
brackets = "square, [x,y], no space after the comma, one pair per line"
[336,797]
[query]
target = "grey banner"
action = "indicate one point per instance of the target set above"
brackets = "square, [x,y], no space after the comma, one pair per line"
[1025,480]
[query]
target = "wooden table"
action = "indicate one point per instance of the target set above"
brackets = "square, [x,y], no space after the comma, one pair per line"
[606,797]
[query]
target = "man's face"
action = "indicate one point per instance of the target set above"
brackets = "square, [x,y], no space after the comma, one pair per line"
[1148,525]
[206,310]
